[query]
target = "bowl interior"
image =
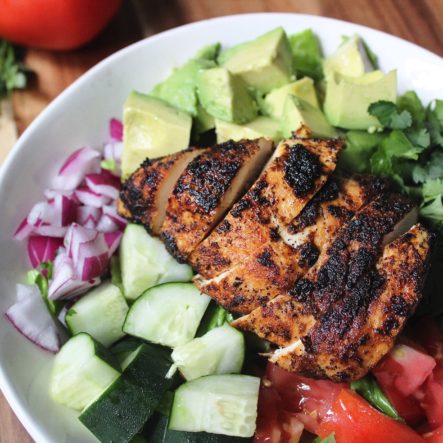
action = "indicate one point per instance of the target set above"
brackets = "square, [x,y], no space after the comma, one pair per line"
[79,116]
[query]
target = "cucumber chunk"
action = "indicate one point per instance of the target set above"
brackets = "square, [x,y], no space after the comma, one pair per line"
[219,351]
[126,405]
[159,433]
[219,404]
[167,314]
[101,313]
[82,370]
[145,263]
[214,317]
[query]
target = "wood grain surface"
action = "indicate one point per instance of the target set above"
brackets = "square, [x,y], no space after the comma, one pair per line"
[419,21]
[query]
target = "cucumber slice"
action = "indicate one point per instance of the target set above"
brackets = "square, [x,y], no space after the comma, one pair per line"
[168,314]
[219,351]
[159,433]
[126,405]
[219,404]
[82,370]
[145,263]
[101,313]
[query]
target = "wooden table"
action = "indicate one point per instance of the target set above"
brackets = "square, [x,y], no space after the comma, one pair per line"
[419,21]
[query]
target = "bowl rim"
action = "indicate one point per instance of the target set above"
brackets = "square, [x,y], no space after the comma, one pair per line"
[6,386]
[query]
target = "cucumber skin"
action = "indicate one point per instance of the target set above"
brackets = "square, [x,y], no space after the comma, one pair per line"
[122,410]
[161,434]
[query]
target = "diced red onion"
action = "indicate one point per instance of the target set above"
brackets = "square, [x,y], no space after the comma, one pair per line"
[81,162]
[31,318]
[92,259]
[104,183]
[41,249]
[106,224]
[24,230]
[88,216]
[75,236]
[113,151]
[116,129]
[111,211]
[65,283]
[113,241]
[50,231]
[90,198]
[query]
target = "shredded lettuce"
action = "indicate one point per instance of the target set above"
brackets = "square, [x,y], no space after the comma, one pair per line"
[307,54]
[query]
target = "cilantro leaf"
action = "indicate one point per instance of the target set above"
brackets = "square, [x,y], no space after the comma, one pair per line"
[419,137]
[432,189]
[387,114]
[410,102]
[433,168]
[434,122]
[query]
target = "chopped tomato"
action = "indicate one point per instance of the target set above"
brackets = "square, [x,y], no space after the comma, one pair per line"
[354,420]
[434,436]
[432,401]
[274,424]
[310,399]
[404,368]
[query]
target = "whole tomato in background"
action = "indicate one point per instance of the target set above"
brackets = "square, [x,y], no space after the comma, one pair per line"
[54,24]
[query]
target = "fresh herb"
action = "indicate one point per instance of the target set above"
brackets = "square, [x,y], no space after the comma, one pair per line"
[368,388]
[307,55]
[389,116]
[12,72]
[109,165]
[329,439]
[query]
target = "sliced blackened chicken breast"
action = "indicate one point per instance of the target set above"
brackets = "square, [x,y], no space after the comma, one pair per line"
[144,195]
[275,267]
[296,172]
[358,330]
[342,262]
[207,188]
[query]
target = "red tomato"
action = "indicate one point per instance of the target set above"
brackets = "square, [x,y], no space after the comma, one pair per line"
[54,24]
[404,368]
[310,399]
[354,420]
[432,401]
[434,436]
[274,424]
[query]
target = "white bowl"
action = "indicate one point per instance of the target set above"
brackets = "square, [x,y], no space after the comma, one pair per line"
[79,117]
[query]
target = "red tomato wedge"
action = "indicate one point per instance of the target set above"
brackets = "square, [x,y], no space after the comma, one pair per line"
[434,436]
[354,420]
[404,368]
[309,399]
[432,401]
[54,24]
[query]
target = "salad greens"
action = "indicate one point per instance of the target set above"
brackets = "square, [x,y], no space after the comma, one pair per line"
[12,72]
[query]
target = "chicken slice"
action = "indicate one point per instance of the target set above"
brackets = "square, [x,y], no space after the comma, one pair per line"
[207,188]
[144,195]
[275,267]
[360,329]
[341,264]
[298,169]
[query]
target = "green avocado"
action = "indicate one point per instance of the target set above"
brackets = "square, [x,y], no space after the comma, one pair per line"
[347,98]
[298,112]
[264,63]
[179,89]
[151,128]
[274,102]
[225,96]
[209,52]
[350,59]
[260,127]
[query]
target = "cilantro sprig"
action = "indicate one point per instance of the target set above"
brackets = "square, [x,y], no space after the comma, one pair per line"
[12,72]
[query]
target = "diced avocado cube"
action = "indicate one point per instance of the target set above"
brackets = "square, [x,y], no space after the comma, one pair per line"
[260,127]
[209,52]
[264,63]
[350,59]
[151,128]
[179,89]
[306,54]
[203,120]
[274,102]
[225,96]
[347,99]
[298,112]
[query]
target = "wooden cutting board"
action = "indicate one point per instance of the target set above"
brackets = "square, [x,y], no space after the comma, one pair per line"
[419,21]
